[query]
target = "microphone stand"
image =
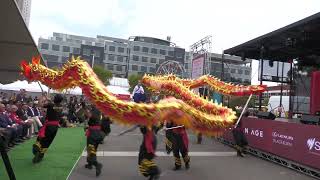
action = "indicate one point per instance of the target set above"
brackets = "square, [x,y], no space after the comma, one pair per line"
[5,158]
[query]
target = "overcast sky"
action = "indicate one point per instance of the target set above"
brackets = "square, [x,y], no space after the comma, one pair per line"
[230,22]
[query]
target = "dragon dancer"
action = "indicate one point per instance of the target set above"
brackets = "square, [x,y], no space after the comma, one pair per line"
[180,145]
[94,138]
[147,166]
[147,150]
[49,130]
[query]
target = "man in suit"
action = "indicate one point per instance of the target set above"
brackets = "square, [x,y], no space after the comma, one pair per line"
[32,115]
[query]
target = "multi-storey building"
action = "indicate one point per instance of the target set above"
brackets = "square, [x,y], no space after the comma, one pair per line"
[25,8]
[137,55]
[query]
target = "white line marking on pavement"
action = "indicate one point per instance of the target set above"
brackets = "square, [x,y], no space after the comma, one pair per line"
[76,163]
[159,154]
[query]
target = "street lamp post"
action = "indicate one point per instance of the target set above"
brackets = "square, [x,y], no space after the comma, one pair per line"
[92,64]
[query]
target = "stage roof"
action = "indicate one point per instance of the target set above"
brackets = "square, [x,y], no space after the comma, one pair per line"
[298,40]
[16,42]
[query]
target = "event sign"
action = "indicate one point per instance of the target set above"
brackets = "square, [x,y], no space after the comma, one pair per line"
[197,67]
[296,142]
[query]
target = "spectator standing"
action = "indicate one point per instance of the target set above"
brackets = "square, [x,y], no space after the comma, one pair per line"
[138,93]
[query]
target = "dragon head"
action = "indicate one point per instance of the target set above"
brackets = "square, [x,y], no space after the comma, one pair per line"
[26,67]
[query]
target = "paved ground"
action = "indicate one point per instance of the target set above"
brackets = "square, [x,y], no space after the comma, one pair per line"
[210,160]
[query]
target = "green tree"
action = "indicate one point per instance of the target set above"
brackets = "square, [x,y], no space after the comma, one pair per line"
[103,75]
[133,81]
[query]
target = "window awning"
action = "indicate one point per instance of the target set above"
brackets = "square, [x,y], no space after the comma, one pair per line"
[16,42]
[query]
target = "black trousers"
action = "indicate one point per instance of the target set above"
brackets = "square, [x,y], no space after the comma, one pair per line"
[42,144]
[7,135]
[168,141]
[11,134]
[25,128]
[147,166]
[93,142]
[179,148]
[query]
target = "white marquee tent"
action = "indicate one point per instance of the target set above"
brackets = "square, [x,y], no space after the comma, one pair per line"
[34,87]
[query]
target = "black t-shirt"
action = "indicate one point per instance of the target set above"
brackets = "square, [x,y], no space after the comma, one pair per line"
[94,121]
[54,112]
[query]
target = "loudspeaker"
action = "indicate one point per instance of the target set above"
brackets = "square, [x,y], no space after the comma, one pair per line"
[310,119]
[266,115]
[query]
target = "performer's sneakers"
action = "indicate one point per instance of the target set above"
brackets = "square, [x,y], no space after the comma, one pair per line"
[187,165]
[176,168]
[98,169]
[239,153]
[37,158]
[88,166]
[154,177]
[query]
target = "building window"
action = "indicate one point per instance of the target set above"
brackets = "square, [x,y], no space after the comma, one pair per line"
[145,49]
[161,61]
[120,58]
[96,53]
[154,51]
[119,68]
[76,50]
[171,53]
[120,49]
[64,59]
[187,57]
[143,68]
[135,58]
[136,48]
[152,69]
[240,71]
[112,48]
[44,46]
[162,52]
[58,39]
[66,49]
[110,67]
[247,72]
[99,44]
[247,81]
[144,59]
[111,57]
[233,71]
[153,60]
[86,52]
[55,47]
[54,64]
[49,57]
[134,67]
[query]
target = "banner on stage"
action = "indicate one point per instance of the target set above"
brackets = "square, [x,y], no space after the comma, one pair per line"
[296,142]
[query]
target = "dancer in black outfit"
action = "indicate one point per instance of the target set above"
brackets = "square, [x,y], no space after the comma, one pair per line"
[49,130]
[94,138]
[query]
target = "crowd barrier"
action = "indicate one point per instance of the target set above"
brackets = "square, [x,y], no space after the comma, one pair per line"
[297,143]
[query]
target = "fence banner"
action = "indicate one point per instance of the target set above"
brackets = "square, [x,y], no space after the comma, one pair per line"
[296,142]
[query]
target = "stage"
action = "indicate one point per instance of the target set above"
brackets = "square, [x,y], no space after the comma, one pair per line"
[286,142]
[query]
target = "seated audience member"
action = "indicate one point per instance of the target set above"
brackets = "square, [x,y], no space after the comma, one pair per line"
[37,110]
[23,114]
[31,115]
[26,125]
[14,130]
